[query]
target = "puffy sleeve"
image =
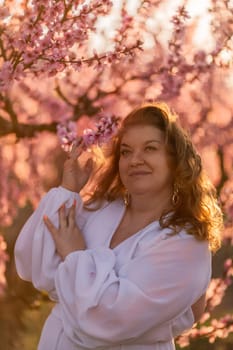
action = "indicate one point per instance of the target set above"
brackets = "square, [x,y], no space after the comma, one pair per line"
[101,307]
[35,254]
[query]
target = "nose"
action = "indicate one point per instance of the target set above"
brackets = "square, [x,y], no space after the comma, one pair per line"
[137,159]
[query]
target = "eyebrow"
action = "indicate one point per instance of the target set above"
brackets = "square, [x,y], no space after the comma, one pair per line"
[145,143]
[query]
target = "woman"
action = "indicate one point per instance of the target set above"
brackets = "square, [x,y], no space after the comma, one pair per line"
[129,269]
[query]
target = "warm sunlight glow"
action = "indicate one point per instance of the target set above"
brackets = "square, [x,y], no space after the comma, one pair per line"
[198,11]
[226,58]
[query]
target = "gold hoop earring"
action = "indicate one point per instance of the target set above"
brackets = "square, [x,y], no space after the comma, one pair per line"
[126,198]
[175,195]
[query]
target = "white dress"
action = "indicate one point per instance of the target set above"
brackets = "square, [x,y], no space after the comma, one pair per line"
[135,296]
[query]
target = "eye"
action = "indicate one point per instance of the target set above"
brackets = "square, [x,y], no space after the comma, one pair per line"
[150,148]
[124,152]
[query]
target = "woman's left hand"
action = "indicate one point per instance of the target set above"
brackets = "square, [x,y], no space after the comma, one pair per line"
[68,237]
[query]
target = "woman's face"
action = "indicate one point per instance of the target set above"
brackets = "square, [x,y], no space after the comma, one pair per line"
[144,165]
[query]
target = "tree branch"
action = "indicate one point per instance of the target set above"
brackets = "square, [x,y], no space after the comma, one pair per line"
[62,96]
[9,109]
[24,130]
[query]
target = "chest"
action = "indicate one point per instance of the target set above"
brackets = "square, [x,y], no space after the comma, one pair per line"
[109,227]
[125,230]
[121,234]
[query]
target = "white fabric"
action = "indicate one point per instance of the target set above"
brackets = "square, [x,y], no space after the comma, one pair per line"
[135,296]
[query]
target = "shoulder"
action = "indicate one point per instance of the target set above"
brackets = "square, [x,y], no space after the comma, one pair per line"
[160,240]
[184,251]
[181,237]
[186,245]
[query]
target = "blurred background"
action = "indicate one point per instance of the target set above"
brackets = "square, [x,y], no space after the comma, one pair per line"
[63,65]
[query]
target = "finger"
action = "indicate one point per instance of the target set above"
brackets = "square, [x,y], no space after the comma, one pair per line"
[76,149]
[62,217]
[52,229]
[79,142]
[71,215]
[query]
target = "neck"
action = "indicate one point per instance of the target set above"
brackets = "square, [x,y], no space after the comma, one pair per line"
[148,205]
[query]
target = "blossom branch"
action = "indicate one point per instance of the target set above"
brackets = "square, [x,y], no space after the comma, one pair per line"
[25,130]
[215,328]
[62,95]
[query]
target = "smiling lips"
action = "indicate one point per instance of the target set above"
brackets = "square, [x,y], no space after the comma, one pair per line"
[138,173]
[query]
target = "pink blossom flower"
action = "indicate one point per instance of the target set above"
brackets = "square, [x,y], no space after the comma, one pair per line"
[67,134]
[227,264]
[6,75]
[89,137]
[105,128]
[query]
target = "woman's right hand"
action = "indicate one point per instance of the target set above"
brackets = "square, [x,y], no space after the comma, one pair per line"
[74,176]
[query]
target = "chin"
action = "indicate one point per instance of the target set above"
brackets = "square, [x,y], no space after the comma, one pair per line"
[139,191]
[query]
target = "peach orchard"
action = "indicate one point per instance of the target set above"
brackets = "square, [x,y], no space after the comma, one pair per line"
[65,63]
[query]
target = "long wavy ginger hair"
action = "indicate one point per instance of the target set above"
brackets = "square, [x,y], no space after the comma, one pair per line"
[197,208]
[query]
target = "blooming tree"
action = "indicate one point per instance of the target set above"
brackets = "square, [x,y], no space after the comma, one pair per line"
[64,64]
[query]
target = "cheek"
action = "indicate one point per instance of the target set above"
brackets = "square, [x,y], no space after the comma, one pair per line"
[166,167]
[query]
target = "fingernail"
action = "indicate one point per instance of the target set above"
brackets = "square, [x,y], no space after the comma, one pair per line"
[45,217]
[74,203]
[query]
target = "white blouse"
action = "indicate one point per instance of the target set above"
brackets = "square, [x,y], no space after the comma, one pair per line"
[135,296]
